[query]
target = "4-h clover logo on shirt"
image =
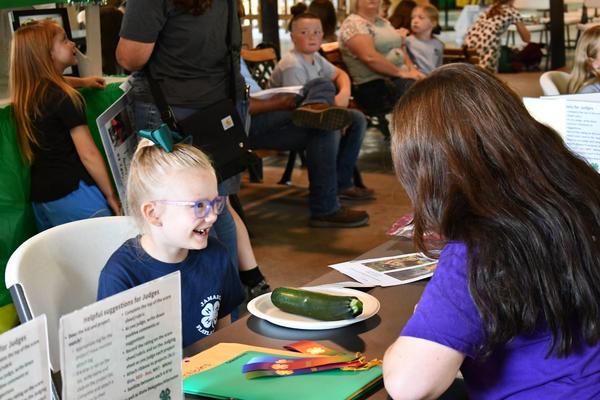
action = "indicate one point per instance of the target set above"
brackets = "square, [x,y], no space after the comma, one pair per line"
[211,313]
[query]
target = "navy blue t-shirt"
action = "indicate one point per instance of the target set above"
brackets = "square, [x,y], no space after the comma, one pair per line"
[210,285]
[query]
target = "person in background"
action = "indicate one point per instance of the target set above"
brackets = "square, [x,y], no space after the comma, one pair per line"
[69,180]
[484,35]
[110,25]
[372,50]
[303,65]
[172,194]
[402,15]
[385,7]
[325,10]
[585,76]
[425,51]
[514,302]
[194,74]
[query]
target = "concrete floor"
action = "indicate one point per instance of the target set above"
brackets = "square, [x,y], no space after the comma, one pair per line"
[289,252]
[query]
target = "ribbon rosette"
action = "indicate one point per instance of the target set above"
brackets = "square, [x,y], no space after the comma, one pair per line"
[275,366]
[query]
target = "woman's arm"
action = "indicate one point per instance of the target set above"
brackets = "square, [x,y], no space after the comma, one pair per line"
[94,164]
[342,82]
[523,32]
[412,67]
[94,82]
[133,56]
[363,48]
[419,369]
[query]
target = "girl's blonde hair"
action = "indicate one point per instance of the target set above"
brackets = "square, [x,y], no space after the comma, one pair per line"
[151,170]
[32,74]
[583,73]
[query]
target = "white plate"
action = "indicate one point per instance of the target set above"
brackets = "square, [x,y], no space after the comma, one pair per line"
[263,308]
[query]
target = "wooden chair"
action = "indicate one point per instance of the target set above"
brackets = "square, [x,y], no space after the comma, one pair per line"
[460,54]
[261,63]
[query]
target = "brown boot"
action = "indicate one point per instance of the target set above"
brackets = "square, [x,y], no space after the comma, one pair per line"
[322,116]
[356,193]
[342,218]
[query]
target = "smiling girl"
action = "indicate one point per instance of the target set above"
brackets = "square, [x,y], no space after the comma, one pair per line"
[69,180]
[173,196]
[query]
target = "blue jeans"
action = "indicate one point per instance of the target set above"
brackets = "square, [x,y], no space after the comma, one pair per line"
[349,148]
[318,90]
[148,117]
[85,202]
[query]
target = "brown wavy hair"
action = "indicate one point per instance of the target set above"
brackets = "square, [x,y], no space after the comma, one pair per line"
[496,8]
[481,171]
[32,76]
[401,16]
[194,7]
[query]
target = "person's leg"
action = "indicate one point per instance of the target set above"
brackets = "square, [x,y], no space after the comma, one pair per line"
[316,109]
[376,95]
[350,144]
[402,86]
[275,130]
[318,90]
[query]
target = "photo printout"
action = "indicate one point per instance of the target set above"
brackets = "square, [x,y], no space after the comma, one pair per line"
[24,362]
[127,346]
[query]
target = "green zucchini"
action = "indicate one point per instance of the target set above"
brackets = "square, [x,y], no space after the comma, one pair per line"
[316,305]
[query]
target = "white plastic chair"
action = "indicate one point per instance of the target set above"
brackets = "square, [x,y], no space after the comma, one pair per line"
[56,272]
[554,82]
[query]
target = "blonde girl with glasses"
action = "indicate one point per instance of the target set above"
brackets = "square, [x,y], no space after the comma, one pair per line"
[173,196]
[585,77]
[69,180]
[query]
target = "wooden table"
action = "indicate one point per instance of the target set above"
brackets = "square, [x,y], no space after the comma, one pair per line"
[371,337]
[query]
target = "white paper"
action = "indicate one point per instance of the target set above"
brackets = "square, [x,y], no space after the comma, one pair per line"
[125,346]
[389,271]
[268,93]
[549,111]
[119,140]
[577,120]
[583,130]
[24,362]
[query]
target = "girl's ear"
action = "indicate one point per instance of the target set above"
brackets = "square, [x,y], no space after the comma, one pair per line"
[594,64]
[151,214]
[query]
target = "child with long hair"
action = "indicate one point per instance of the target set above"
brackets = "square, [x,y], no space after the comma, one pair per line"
[173,197]
[484,35]
[69,180]
[514,302]
[585,77]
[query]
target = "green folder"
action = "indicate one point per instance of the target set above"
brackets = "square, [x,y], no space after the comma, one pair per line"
[228,381]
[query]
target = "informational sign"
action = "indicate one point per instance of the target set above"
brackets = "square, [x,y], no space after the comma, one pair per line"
[576,118]
[24,362]
[119,140]
[127,346]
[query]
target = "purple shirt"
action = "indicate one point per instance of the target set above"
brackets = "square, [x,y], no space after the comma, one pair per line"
[447,315]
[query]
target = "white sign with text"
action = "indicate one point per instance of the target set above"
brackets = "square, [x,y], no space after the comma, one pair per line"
[24,362]
[127,346]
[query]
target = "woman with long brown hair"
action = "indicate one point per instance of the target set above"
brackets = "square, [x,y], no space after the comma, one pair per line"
[484,34]
[515,300]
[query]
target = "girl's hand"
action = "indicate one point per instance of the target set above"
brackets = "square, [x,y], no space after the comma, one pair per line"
[95,82]
[114,204]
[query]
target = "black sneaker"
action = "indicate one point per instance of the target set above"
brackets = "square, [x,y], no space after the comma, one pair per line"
[260,288]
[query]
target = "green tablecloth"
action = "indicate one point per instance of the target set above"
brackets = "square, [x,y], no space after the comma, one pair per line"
[17,222]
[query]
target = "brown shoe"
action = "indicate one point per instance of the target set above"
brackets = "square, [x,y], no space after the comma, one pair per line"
[342,218]
[356,193]
[322,116]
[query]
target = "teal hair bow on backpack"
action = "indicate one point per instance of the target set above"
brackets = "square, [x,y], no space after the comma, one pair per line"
[164,137]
